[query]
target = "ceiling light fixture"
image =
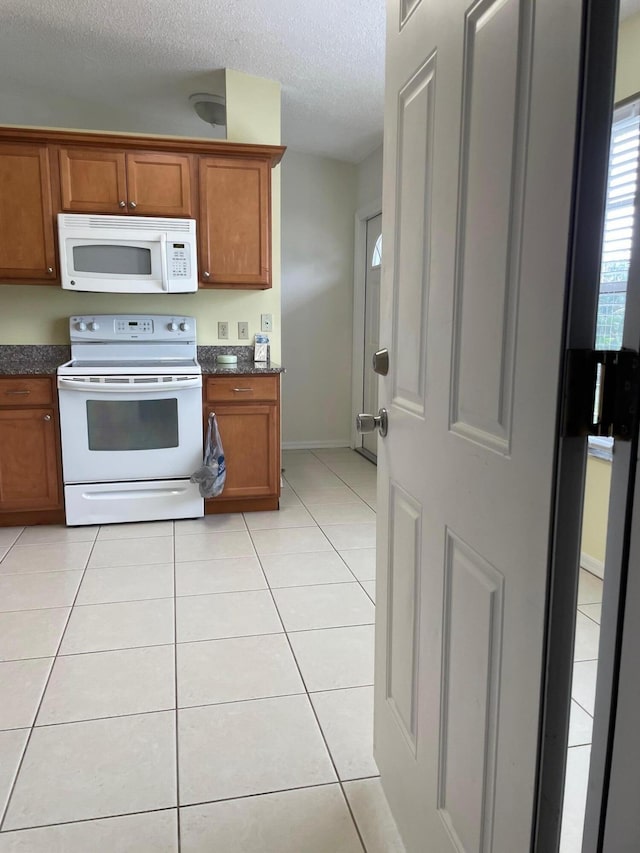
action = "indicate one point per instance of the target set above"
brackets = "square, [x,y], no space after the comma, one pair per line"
[210,108]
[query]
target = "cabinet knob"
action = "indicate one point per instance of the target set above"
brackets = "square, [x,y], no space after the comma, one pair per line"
[50,270]
[122,204]
[47,418]
[132,205]
[206,274]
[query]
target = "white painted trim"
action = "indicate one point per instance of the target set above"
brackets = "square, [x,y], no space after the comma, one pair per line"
[311,445]
[359,275]
[596,567]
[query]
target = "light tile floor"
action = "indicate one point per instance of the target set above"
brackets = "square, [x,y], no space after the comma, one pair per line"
[198,686]
[583,691]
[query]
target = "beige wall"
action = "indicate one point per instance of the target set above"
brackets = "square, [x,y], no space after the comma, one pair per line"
[370,179]
[39,314]
[318,204]
[628,64]
[595,514]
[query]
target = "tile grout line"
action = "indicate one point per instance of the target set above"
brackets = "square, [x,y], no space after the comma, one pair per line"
[44,690]
[313,711]
[346,799]
[175,689]
[9,832]
[187,707]
[335,549]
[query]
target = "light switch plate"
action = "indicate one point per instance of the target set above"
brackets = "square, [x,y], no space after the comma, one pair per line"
[223,330]
[266,322]
[243,331]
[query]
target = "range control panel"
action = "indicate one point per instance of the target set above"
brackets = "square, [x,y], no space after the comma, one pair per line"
[129,326]
[132,327]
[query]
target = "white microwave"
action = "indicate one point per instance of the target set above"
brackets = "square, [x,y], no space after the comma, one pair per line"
[127,254]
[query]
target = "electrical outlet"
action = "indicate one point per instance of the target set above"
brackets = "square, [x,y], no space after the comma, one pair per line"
[267,322]
[223,330]
[243,331]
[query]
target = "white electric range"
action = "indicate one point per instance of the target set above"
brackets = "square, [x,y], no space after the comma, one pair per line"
[131,419]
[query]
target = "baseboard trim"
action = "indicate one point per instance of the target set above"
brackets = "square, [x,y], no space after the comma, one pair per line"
[313,445]
[596,567]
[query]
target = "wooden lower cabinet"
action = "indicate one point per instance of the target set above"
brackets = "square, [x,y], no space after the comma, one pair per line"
[30,469]
[250,434]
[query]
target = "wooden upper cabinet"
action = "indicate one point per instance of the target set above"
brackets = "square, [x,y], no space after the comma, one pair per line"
[235,222]
[137,182]
[27,247]
[159,184]
[93,180]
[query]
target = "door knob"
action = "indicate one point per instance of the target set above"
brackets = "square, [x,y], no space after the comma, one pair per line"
[381,361]
[370,423]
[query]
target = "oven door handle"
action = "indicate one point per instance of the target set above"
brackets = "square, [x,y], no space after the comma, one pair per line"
[127,388]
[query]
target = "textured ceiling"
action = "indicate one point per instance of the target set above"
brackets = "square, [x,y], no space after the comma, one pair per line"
[131,64]
[140,59]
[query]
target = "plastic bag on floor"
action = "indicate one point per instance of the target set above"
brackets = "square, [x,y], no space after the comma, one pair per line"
[213,473]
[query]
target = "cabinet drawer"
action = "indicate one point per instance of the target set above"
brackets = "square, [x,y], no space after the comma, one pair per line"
[242,389]
[25,392]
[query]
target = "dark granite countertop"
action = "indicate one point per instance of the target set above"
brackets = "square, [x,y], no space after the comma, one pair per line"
[32,359]
[44,359]
[245,366]
[241,368]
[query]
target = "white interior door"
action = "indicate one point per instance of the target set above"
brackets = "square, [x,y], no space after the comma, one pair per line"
[480,124]
[371,326]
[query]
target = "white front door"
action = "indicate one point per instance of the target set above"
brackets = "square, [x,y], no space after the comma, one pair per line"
[371,326]
[480,124]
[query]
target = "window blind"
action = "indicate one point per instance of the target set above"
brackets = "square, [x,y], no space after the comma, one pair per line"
[620,212]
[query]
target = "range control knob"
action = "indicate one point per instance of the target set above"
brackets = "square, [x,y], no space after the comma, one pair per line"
[93,326]
[173,327]
[185,327]
[81,326]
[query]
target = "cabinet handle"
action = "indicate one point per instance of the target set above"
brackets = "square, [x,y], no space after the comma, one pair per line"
[206,274]
[47,418]
[122,204]
[17,393]
[132,205]
[50,270]
[243,390]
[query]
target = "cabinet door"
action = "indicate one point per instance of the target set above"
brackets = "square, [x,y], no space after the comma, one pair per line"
[93,180]
[235,222]
[159,184]
[26,215]
[250,439]
[29,476]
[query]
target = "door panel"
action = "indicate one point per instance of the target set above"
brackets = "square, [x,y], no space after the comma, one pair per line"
[477,202]
[29,476]
[26,214]
[490,219]
[93,180]
[159,184]
[249,439]
[412,208]
[234,235]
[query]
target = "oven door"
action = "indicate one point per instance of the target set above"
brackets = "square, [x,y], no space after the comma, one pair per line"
[124,428]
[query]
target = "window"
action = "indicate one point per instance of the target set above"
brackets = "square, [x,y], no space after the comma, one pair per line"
[376,258]
[618,225]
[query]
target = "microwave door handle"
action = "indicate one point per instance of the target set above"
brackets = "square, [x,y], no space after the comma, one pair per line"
[127,388]
[163,262]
